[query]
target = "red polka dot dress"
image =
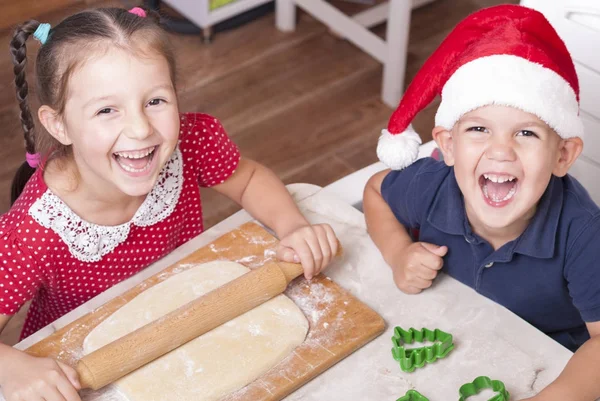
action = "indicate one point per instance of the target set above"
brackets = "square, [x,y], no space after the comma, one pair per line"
[52,256]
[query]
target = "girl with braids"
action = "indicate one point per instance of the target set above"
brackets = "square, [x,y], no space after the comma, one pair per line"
[110,183]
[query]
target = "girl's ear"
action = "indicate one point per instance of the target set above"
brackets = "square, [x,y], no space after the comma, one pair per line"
[53,123]
[444,141]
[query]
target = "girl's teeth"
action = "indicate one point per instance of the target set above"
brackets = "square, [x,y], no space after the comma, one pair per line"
[136,170]
[139,154]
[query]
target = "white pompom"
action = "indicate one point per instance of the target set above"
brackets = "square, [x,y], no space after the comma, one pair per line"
[398,151]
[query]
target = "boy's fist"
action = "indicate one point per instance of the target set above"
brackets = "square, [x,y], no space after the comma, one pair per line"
[417,266]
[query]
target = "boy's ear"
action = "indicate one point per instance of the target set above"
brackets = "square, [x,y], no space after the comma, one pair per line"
[569,150]
[53,123]
[444,141]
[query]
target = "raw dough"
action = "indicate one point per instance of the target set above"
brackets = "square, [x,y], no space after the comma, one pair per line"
[215,364]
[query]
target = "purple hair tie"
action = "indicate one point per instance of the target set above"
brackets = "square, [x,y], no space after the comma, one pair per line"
[33,159]
[138,11]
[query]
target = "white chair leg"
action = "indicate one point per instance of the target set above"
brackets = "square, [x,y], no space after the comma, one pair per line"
[285,15]
[394,68]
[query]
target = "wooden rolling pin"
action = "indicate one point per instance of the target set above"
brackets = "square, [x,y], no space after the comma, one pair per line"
[134,350]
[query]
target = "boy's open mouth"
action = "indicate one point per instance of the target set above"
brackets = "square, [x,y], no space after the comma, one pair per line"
[498,189]
[135,161]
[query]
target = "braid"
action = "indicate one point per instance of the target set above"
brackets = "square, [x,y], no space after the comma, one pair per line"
[18,50]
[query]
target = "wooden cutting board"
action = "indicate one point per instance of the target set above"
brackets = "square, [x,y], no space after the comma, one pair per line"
[339,323]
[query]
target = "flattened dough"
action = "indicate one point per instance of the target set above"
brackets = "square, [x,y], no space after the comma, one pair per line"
[215,364]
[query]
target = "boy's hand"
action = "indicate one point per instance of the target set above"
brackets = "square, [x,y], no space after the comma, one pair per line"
[33,379]
[416,266]
[313,246]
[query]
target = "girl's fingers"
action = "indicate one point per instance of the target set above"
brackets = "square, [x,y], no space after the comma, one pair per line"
[69,390]
[304,252]
[316,254]
[71,374]
[287,254]
[325,247]
[332,239]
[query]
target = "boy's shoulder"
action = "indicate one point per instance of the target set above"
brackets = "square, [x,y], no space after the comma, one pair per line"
[579,211]
[577,198]
[411,192]
[429,166]
[424,174]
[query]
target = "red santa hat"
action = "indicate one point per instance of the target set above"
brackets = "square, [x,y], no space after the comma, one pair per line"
[504,55]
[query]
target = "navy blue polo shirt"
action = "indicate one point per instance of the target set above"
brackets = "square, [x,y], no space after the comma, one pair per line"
[549,276]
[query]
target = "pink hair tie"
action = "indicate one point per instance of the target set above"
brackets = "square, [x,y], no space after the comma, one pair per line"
[33,159]
[138,11]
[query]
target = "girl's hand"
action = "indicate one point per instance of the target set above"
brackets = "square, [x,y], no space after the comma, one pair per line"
[312,245]
[33,379]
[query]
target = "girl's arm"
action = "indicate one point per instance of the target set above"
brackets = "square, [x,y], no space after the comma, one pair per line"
[260,192]
[580,380]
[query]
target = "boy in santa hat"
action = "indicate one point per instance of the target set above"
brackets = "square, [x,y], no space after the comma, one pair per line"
[499,213]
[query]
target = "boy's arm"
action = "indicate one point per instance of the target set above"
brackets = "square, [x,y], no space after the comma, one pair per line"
[580,380]
[383,227]
[414,264]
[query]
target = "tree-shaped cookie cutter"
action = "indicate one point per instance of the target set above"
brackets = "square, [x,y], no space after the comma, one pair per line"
[413,395]
[481,383]
[410,359]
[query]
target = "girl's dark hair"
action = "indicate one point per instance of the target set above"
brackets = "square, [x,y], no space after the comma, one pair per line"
[69,45]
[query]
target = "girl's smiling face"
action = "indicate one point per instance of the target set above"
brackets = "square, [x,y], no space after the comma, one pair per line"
[121,118]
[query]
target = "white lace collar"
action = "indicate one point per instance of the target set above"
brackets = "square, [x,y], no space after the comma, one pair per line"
[89,242]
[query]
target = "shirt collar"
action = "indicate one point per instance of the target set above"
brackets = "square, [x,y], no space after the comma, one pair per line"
[89,242]
[448,214]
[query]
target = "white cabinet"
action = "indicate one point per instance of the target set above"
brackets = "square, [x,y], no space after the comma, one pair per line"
[578,24]
[391,51]
[199,12]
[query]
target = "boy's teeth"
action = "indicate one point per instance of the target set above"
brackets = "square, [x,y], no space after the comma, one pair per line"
[509,195]
[499,178]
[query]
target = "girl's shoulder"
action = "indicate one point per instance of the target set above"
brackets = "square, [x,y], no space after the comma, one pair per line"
[197,123]
[209,155]
[18,219]
[200,132]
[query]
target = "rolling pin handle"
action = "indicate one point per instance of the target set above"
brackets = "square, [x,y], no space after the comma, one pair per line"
[290,270]
[86,377]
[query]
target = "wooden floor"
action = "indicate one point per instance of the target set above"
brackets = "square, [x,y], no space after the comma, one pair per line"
[306,104]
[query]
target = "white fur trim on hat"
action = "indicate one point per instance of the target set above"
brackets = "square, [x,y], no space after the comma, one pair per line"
[398,151]
[509,80]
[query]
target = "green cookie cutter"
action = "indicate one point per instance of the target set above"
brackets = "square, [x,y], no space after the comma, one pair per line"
[410,359]
[413,395]
[481,383]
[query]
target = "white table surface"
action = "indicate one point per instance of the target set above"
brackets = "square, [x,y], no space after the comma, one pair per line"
[489,339]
